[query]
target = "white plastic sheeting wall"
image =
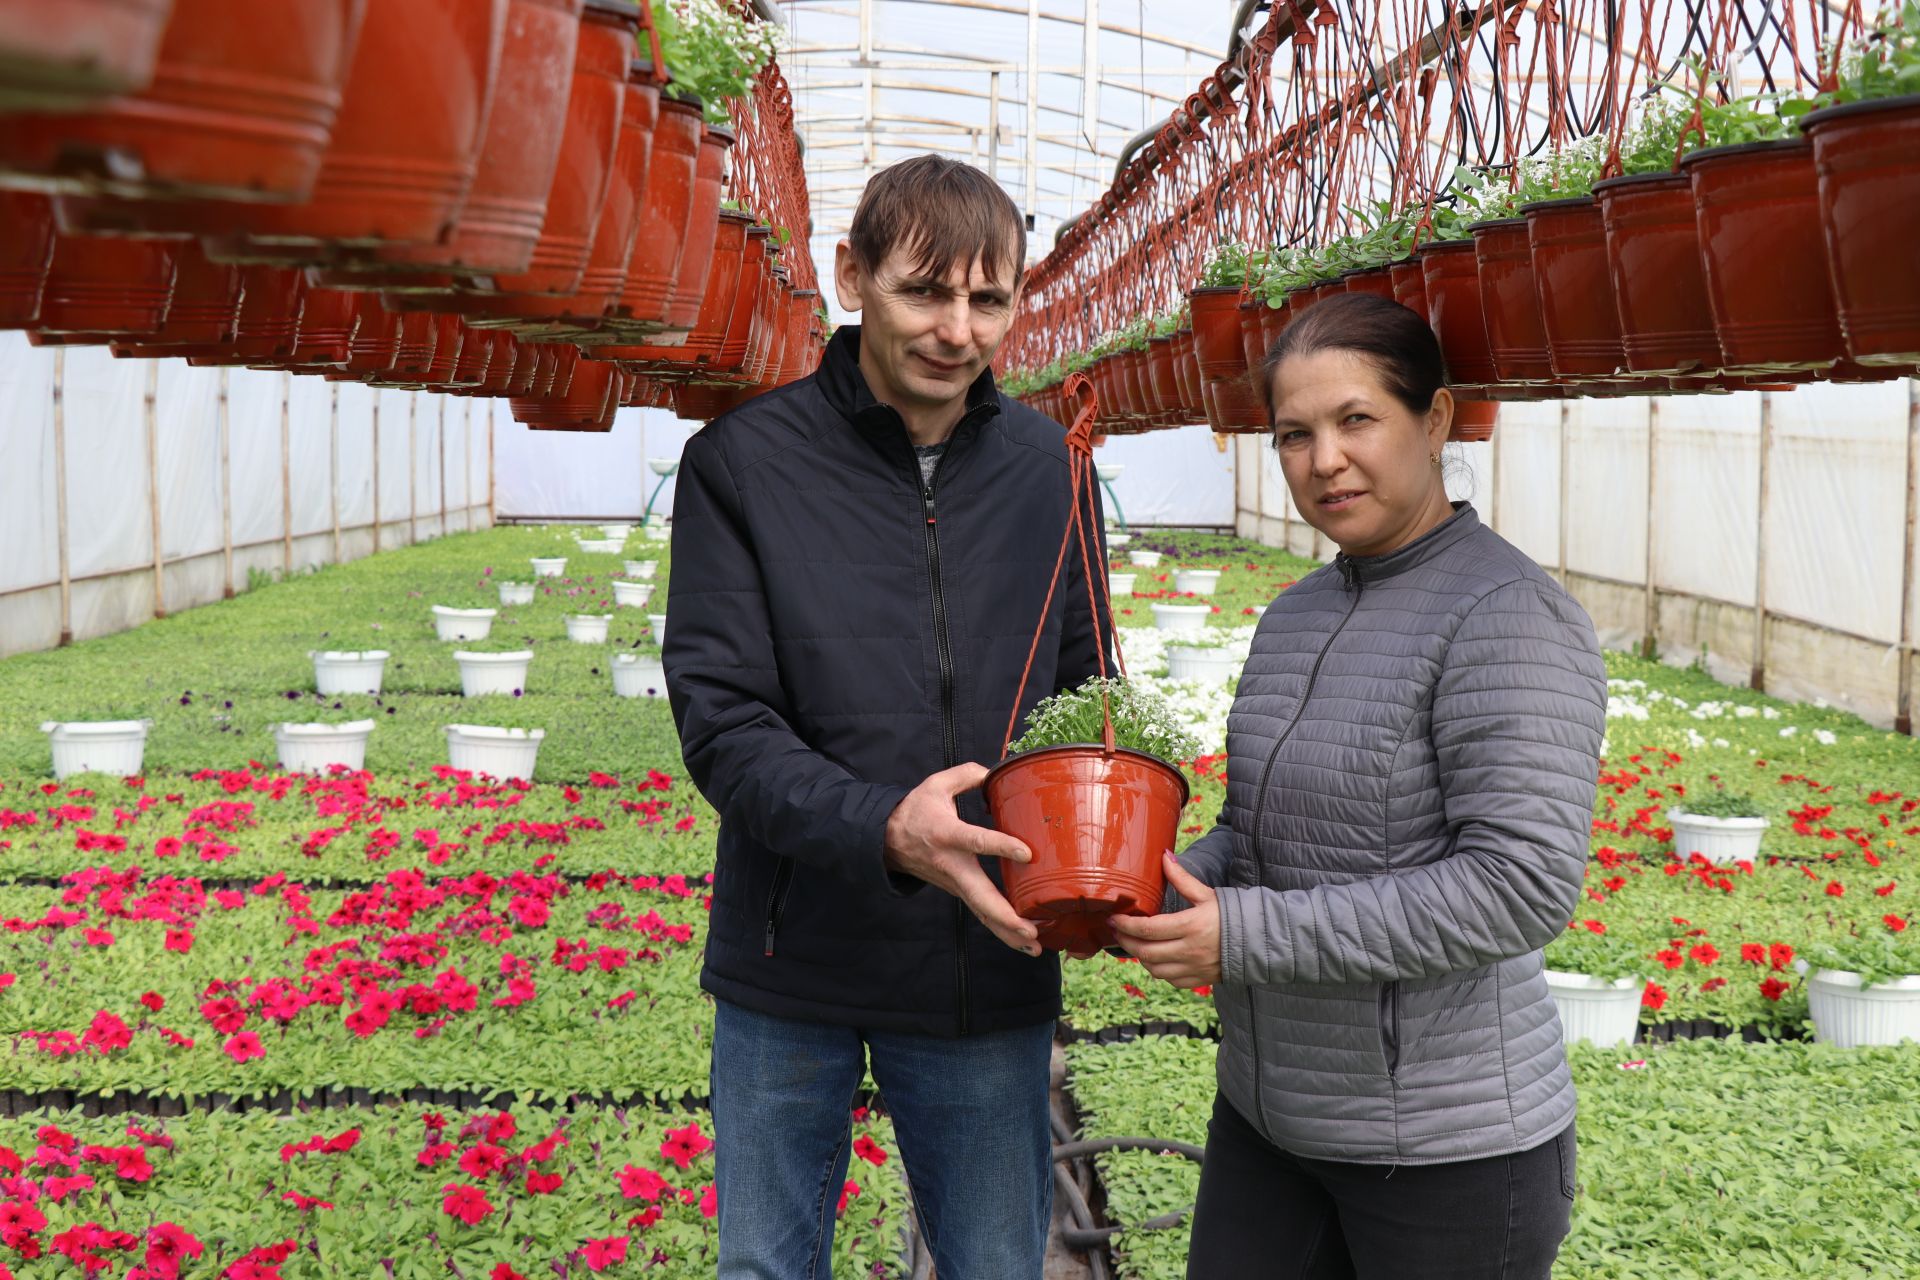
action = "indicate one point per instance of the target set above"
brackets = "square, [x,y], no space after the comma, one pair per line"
[1576,486]
[296,489]
[1167,477]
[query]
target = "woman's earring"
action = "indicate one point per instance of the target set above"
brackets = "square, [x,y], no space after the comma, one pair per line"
[1434,458]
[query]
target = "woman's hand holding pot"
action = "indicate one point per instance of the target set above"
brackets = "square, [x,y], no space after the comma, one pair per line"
[1180,947]
[927,839]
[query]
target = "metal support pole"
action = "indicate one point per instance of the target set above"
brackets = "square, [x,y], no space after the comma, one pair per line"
[466,469]
[1033,108]
[413,467]
[1903,715]
[1493,465]
[376,470]
[333,465]
[1090,71]
[493,420]
[993,125]
[443,466]
[1648,641]
[152,407]
[1566,486]
[286,475]
[226,483]
[60,495]
[1758,676]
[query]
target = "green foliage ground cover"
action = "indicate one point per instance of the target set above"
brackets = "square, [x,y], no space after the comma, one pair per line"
[361,1192]
[1702,1158]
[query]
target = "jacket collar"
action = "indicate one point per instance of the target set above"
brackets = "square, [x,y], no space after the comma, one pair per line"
[845,387]
[1429,545]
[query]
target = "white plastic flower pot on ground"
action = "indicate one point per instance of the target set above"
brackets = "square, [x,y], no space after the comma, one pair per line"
[485,673]
[549,566]
[603,546]
[1181,617]
[657,622]
[1199,582]
[1108,471]
[462,624]
[1120,584]
[516,593]
[642,568]
[1115,541]
[498,753]
[1143,559]
[658,533]
[1595,1009]
[1221,663]
[639,675]
[620,531]
[1721,841]
[588,628]
[315,748]
[654,519]
[1259,612]
[1851,1016]
[340,671]
[97,746]
[631,595]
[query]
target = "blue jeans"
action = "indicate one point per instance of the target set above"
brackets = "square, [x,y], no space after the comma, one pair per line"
[970,1116]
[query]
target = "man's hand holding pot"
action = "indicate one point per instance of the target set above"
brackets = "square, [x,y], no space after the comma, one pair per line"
[927,839]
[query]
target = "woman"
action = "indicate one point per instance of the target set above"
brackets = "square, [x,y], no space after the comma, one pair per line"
[1412,757]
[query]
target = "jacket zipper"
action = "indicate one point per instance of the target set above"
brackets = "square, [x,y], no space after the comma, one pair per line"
[1260,800]
[951,750]
[1390,1026]
[777,898]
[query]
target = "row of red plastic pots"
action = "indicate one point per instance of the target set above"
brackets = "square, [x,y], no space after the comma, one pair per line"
[589,210]
[156,298]
[1766,264]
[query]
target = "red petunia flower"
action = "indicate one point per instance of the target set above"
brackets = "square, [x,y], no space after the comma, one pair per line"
[1895,923]
[1773,988]
[870,1151]
[245,1046]
[467,1203]
[1654,997]
[641,1184]
[154,1000]
[682,1146]
[603,1253]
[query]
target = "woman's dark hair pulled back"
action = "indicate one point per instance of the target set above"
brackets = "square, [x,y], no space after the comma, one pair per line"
[1395,339]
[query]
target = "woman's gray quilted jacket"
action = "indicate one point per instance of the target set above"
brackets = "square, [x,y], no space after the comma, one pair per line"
[1412,756]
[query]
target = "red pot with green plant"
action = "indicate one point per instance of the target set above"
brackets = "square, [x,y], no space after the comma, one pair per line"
[1867,156]
[63,55]
[1409,283]
[1216,331]
[1473,420]
[1165,383]
[696,253]
[1273,322]
[1375,280]
[1764,252]
[1187,369]
[1451,272]
[203,313]
[1097,809]
[1659,280]
[1575,290]
[26,252]
[240,106]
[1516,336]
[648,293]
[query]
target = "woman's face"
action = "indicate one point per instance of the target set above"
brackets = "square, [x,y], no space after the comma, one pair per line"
[1359,462]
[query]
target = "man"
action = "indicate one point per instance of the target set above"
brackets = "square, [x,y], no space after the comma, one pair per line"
[859,562]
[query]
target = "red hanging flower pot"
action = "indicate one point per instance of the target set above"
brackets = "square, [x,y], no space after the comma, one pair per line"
[1097,823]
[587,403]
[800,348]
[241,105]
[1570,275]
[202,316]
[407,139]
[1473,420]
[1659,284]
[1216,331]
[61,55]
[696,255]
[1516,336]
[413,350]
[705,401]
[1758,210]
[374,344]
[655,265]
[1867,155]
[1452,276]
[98,286]
[1375,280]
[1409,283]
[724,294]
[500,223]
[26,252]
[1166,384]
[1187,370]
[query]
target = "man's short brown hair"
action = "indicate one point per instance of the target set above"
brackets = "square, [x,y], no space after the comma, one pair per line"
[943,213]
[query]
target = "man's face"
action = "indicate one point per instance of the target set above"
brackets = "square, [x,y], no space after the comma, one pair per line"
[923,340]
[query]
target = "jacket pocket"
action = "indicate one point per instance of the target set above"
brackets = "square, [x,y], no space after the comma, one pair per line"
[777,899]
[1564,1144]
[1389,1022]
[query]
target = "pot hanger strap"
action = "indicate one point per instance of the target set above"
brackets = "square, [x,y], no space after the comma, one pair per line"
[1080,480]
